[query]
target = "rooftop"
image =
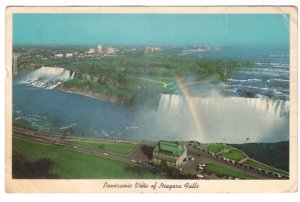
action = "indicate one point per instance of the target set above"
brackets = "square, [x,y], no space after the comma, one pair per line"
[170,147]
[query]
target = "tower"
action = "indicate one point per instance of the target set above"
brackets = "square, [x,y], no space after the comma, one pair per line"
[15,63]
[99,50]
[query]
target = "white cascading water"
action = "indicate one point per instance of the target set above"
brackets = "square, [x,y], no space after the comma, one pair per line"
[48,77]
[176,102]
[73,74]
[225,119]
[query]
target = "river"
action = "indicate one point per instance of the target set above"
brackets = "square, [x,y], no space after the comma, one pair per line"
[214,118]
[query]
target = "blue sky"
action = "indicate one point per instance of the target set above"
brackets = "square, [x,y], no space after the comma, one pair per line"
[152,29]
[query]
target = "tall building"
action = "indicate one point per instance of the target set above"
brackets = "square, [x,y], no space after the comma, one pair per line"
[99,50]
[169,154]
[15,63]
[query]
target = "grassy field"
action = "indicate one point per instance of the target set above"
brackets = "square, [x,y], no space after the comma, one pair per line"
[216,148]
[264,167]
[221,171]
[120,148]
[234,154]
[68,163]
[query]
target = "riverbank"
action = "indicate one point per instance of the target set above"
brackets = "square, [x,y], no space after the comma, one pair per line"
[92,94]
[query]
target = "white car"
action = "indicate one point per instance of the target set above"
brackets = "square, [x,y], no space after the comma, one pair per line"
[201,165]
[105,154]
[200,176]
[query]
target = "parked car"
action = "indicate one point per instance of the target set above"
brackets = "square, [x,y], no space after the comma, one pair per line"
[192,158]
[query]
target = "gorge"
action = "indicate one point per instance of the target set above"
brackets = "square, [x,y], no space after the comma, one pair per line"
[229,119]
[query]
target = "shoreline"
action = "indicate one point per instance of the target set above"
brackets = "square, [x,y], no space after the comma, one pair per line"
[97,96]
[99,138]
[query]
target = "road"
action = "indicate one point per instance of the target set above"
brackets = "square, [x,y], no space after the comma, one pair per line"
[60,140]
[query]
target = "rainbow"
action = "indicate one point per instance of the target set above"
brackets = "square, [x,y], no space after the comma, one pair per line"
[190,101]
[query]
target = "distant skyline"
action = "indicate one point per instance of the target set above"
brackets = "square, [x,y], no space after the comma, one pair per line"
[152,29]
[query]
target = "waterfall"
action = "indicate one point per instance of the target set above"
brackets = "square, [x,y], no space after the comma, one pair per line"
[173,102]
[48,77]
[73,74]
[229,119]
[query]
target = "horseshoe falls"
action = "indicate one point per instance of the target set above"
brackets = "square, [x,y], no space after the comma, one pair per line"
[225,119]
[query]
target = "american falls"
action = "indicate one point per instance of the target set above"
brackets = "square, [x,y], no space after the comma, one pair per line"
[48,77]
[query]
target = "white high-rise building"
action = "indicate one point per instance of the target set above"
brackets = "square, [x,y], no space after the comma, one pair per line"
[15,63]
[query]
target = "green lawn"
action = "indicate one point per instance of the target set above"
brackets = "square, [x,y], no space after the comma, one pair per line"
[216,148]
[68,163]
[265,167]
[120,148]
[234,154]
[221,171]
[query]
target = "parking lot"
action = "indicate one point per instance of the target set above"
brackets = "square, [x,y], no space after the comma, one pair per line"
[196,156]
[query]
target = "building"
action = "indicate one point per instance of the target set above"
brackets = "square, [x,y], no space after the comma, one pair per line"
[58,55]
[69,55]
[110,51]
[152,49]
[169,154]
[15,63]
[91,51]
[99,50]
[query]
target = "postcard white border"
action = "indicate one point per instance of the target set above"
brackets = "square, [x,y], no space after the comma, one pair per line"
[88,186]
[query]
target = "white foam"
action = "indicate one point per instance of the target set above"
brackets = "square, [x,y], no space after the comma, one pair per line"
[48,77]
[275,107]
[232,118]
[281,80]
[244,80]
